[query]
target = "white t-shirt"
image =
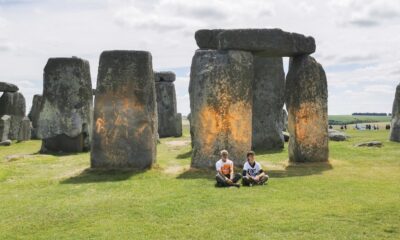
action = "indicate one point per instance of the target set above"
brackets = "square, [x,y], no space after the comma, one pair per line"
[252,171]
[225,167]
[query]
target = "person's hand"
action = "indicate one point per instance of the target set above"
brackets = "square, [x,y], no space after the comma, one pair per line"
[256,178]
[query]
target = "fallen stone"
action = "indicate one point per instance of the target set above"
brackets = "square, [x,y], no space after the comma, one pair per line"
[24,130]
[306,102]
[8,87]
[13,104]
[395,124]
[370,144]
[165,76]
[5,143]
[268,100]
[66,106]
[286,136]
[335,135]
[125,112]
[34,114]
[5,122]
[266,42]
[221,106]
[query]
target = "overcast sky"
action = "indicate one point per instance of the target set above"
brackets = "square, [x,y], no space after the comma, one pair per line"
[358,41]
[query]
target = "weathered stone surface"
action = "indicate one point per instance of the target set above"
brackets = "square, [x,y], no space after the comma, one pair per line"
[125,113]
[370,144]
[266,42]
[207,38]
[306,102]
[24,130]
[13,104]
[268,100]
[335,135]
[221,105]
[8,87]
[395,125]
[166,107]
[34,114]
[164,76]
[66,106]
[5,122]
[5,143]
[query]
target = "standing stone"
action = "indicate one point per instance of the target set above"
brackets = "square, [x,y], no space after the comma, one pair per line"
[65,118]
[395,128]
[221,105]
[34,114]
[13,104]
[8,87]
[306,102]
[268,100]
[25,130]
[125,114]
[166,105]
[4,127]
[284,120]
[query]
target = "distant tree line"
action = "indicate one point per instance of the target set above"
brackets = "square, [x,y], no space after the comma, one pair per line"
[370,114]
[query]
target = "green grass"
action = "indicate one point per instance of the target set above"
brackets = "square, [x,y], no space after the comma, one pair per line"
[356,196]
[350,119]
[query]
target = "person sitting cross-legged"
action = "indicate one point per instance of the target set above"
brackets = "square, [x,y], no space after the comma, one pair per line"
[253,174]
[225,174]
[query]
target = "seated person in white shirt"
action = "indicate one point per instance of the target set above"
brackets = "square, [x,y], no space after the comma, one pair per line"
[225,173]
[253,174]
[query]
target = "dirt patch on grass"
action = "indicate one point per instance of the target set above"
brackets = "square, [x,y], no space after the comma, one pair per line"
[178,143]
[174,169]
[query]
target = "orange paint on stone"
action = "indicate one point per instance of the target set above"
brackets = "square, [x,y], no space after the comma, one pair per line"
[309,124]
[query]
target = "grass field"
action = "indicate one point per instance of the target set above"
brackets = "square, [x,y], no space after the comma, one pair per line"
[350,119]
[356,196]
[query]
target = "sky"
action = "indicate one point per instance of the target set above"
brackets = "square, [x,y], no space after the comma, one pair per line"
[358,41]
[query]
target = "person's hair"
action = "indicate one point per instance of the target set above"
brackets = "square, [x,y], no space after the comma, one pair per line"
[250,153]
[224,152]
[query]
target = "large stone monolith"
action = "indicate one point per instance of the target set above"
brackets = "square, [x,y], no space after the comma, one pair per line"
[395,127]
[65,118]
[13,104]
[8,87]
[306,102]
[125,113]
[4,127]
[24,130]
[268,100]
[221,105]
[34,114]
[168,118]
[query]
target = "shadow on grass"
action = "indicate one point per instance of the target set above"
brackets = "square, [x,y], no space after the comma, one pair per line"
[293,170]
[300,169]
[194,173]
[99,175]
[58,154]
[184,155]
[269,151]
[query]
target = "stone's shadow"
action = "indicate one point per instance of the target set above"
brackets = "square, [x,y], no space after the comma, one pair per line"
[90,175]
[194,173]
[265,151]
[299,170]
[58,154]
[184,155]
[293,170]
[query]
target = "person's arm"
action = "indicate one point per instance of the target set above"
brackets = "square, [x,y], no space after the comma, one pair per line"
[232,172]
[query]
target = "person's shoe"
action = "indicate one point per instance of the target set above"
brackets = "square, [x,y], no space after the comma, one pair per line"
[250,184]
[236,185]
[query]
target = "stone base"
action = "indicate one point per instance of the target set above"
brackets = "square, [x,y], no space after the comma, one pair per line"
[63,143]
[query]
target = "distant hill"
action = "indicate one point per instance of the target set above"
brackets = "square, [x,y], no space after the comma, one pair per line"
[353,119]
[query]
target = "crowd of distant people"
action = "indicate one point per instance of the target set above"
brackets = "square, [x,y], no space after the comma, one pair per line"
[360,127]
